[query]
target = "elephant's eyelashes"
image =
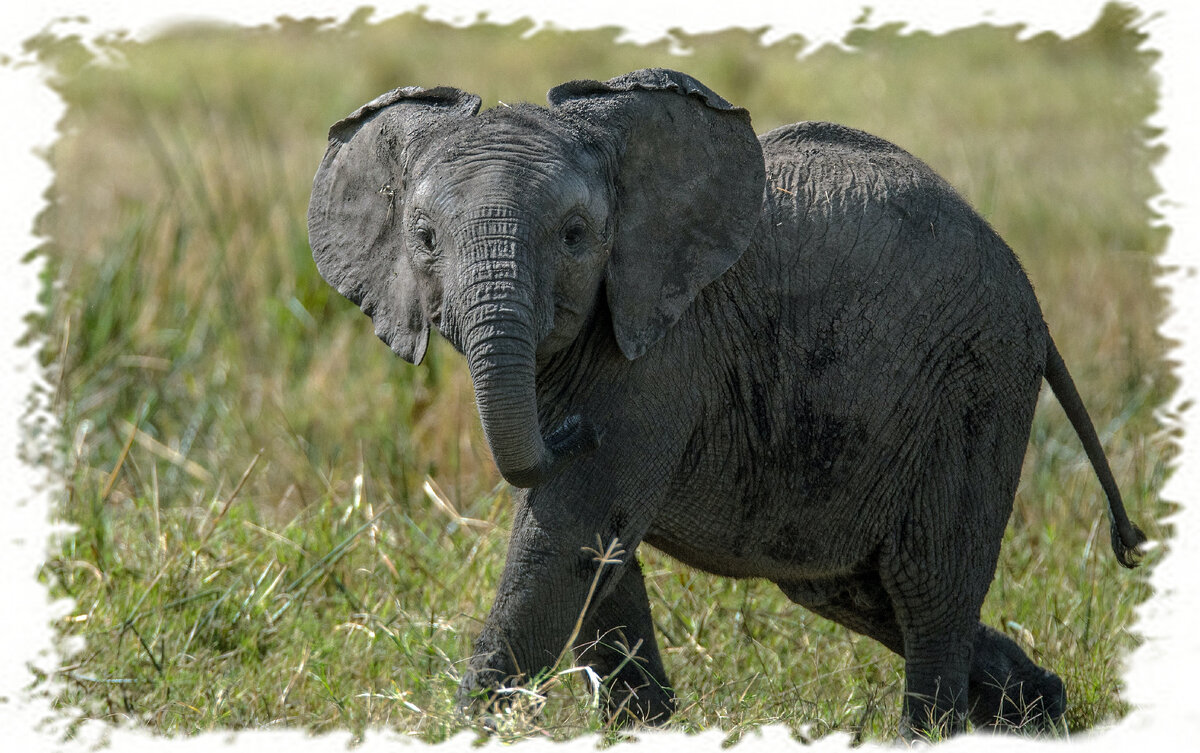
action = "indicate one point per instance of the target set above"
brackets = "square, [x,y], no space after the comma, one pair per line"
[574,232]
[423,234]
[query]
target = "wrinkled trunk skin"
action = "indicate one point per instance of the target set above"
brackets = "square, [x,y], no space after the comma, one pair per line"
[500,341]
[500,353]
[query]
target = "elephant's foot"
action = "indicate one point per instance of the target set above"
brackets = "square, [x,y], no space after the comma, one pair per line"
[478,691]
[632,698]
[1010,704]
[631,695]
[932,716]
[493,690]
[1008,691]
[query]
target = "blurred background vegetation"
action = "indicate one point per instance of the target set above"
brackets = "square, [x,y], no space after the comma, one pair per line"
[279,523]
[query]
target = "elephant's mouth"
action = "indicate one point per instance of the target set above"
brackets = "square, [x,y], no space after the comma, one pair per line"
[564,329]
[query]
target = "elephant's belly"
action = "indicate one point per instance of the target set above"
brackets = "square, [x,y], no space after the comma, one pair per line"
[782,537]
[805,497]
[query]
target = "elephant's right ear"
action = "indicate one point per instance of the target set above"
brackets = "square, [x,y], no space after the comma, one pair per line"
[354,222]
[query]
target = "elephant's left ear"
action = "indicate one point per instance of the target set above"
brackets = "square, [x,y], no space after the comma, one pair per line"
[689,192]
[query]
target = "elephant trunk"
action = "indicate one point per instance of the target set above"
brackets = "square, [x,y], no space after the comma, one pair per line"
[500,347]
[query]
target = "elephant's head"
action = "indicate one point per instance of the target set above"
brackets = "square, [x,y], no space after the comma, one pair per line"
[502,228]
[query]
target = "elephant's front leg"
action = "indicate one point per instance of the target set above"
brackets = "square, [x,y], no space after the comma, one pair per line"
[617,641]
[560,565]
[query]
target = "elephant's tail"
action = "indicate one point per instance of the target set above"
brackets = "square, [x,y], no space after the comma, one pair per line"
[1126,537]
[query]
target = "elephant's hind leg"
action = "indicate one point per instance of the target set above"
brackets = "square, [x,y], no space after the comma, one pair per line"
[856,601]
[939,560]
[938,629]
[1005,690]
[936,568]
[936,659]
[1008,691]
[617,641]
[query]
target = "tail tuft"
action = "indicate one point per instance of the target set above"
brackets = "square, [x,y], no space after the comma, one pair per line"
[1126,537]
[1126,546]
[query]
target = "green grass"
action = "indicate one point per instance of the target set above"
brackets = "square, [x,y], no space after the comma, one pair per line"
[246,464]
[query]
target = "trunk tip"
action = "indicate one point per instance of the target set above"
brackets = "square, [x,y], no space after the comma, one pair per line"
[574,438]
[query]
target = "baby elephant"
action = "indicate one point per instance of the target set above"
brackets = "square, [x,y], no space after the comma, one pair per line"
[799,356]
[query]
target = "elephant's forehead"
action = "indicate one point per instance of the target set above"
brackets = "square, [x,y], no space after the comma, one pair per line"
[512,158]
[522,135]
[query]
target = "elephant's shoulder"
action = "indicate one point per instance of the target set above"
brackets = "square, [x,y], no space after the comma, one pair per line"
[814,135]
[832,172]
[835,151]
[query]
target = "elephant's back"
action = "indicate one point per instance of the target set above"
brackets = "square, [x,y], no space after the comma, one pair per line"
[839,197]
[864,240]
[901,304]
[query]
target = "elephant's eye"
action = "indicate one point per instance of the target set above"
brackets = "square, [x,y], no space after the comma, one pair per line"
[423,234]
[574,232]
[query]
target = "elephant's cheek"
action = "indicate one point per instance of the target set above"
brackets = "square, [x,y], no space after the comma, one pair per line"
[576,290]
[434,304]
[564,329]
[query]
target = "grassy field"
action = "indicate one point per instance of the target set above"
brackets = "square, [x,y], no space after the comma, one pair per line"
[279,523]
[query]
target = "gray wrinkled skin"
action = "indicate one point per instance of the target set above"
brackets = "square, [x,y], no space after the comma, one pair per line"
[799,357]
